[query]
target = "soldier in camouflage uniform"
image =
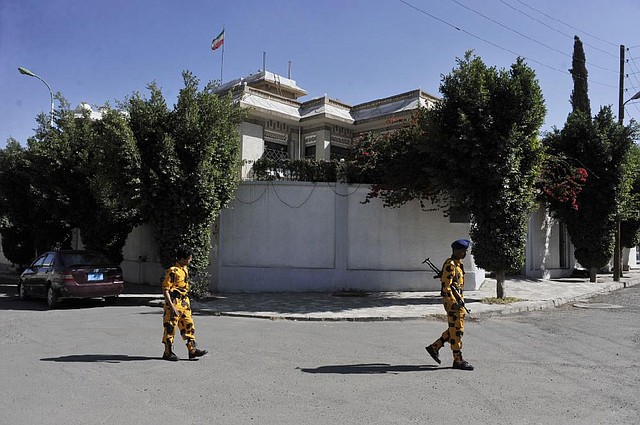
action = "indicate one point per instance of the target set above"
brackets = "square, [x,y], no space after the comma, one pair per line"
[177,307]
[453,276]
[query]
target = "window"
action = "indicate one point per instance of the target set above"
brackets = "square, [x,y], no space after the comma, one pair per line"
[340,153]
[274,150]
[39,262]
[310,152]
[84,258]
[48,261]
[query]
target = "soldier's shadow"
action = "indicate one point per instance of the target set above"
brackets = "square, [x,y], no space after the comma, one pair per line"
[371,368]
[98,358]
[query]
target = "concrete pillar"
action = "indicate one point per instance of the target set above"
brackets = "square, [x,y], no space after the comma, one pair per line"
[323,145]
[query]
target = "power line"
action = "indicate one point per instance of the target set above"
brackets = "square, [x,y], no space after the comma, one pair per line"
[526,36]
[562,22]
[633,64]
[632,88]
[494,44]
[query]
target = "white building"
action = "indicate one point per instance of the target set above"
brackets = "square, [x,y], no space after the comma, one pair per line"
[281,126]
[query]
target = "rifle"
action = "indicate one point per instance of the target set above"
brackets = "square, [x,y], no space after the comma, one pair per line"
[454,289]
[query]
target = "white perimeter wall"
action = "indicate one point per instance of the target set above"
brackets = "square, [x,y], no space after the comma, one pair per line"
[294,236]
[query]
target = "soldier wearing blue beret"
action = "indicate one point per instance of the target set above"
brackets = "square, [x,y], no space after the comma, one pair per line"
[452,286]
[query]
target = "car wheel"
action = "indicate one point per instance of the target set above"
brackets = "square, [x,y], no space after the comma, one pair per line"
[111,300]
[22,292]
[52,297]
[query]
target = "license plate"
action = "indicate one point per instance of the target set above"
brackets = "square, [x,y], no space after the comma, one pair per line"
[92,277]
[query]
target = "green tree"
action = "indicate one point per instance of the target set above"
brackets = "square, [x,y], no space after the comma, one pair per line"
[630,197]
[486,155]
[601,146]
[27,206]
[88,169]
[190,165]
[15,209]
[579,95]
[477,149]
[113,178]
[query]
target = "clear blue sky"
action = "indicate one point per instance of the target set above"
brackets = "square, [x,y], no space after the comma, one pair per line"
[352,50]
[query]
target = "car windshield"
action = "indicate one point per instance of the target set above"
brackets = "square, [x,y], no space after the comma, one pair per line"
[83,259]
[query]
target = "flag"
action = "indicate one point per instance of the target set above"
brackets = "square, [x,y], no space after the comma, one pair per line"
[217,42]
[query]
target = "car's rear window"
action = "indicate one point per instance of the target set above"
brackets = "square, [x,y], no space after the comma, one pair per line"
[83,259]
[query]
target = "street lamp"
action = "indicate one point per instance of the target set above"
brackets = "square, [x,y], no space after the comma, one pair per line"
[634,97]
[25,71]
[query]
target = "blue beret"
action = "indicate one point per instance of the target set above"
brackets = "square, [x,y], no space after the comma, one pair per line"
[461,244]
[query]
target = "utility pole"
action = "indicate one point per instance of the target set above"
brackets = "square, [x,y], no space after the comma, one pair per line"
[617,272]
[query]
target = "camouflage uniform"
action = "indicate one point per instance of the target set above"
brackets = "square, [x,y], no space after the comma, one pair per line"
[452,284]
[176,281]
[452,274]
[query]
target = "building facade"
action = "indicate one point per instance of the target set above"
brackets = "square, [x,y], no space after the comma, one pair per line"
[280,126]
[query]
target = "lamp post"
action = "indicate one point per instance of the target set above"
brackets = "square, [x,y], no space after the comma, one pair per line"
[25,71]
[634,97]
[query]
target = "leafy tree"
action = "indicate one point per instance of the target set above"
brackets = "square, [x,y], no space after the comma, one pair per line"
[483,143]
[190,165]
[26,206]
[113,177]
[89,169]
[630,197]
[15,224]
[579,95]
[601,146]
[477,149]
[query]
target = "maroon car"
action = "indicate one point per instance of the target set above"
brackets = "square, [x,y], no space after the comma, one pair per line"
[71,274]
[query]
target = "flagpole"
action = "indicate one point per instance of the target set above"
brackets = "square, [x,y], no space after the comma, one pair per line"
[222,61]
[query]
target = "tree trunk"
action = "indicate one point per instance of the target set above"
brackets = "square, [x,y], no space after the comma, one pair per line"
[500,284]
[592,274]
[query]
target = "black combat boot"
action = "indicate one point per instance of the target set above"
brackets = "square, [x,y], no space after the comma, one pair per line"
[193,351]
[168,353]
[433,353]
[462,365]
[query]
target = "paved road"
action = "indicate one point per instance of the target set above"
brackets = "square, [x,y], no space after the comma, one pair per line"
[88,363]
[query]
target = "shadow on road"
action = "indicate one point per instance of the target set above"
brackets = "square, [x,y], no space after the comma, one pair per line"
[371,368]
[98,358]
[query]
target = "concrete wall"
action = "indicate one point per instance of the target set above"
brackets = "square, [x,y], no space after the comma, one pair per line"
[294,236]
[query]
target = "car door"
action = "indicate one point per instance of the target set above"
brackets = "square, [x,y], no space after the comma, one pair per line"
[30,275]
[43,275]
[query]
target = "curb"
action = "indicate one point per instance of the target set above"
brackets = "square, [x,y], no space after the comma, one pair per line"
[557,302]
[499,311]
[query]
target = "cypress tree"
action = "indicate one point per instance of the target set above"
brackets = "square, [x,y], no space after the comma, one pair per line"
[580,93]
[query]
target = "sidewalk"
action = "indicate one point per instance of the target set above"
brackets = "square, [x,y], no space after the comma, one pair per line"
[378,306]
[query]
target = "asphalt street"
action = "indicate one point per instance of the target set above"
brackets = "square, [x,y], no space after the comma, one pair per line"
[88,363]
